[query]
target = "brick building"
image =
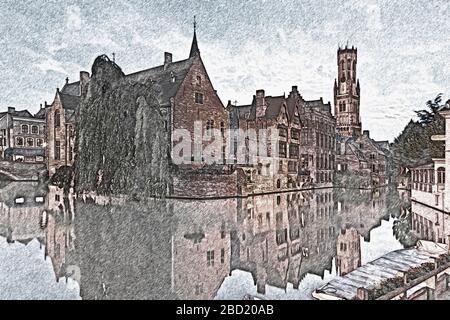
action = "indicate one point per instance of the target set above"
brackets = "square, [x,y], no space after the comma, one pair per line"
[22,136]
[185,94]
[61,122]
[304,155]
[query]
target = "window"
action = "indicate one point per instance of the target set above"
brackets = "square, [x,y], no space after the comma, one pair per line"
[222,255]
[282,149]
[39,142]
[34,129]
[19,141]
[57,197]
[199,98]
[295,134]
[199,80]
[293,151]
[57,120]
[441,175]
[30,142]
[222,128]
[210,258]
[57,150]
[25,128]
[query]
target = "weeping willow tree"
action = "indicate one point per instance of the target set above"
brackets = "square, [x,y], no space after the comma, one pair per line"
[122,145]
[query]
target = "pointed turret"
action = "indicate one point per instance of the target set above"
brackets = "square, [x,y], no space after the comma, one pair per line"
[194,47]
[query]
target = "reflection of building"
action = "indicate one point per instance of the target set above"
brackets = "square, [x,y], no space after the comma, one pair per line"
[282,237]
[59,228]
[21,208]
[22,136]
[201,247]
[348,247]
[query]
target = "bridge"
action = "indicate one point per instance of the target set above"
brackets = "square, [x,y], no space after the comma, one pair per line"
[19,171]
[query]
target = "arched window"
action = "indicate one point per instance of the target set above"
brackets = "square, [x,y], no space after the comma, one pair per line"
[57,118]
[441,175]
[19,141]
[30,142]
[34,130]
[25,128]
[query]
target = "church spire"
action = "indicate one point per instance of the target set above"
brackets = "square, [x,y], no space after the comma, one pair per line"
[194,47]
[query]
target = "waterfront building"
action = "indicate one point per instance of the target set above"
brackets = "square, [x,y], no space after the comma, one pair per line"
[304,155]
[61,124]
[22,136]
[364,158]
[430,189]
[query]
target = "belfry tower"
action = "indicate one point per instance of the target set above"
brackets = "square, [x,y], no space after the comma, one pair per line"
[346,94]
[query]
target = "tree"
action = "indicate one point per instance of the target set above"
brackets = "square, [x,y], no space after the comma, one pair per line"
[426,116]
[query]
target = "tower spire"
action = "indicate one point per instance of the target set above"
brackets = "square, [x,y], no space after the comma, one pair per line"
[194,47]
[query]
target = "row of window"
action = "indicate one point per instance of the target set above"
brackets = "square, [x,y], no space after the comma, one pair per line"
[33,129]
[29,142]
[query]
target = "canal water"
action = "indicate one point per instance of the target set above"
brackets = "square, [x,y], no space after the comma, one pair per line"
[277,246]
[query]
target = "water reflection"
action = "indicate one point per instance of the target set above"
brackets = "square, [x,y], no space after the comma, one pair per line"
[180,249]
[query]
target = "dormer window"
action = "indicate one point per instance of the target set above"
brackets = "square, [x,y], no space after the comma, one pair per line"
[199,98]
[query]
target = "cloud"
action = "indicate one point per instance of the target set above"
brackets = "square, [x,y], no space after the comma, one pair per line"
[73,17]
[51,65]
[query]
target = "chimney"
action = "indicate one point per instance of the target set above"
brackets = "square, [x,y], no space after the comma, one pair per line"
[167,59]
[260,103]
[67,80]
[84,80]
[40,106]
[11,109]
[366,133]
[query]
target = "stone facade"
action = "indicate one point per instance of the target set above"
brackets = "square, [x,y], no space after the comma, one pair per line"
[347,94]
[22,136]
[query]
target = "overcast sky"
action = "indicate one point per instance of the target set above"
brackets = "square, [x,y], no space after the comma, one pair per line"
[403,48]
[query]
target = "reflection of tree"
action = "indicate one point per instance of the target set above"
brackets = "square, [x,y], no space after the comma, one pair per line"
[400,208]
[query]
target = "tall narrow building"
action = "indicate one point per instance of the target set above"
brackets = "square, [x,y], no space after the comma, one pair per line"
[346,94]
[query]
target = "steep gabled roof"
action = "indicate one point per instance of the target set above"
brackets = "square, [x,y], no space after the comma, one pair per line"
[40,114]
[274,106]
[72,89]
[69,101]
[168,77]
